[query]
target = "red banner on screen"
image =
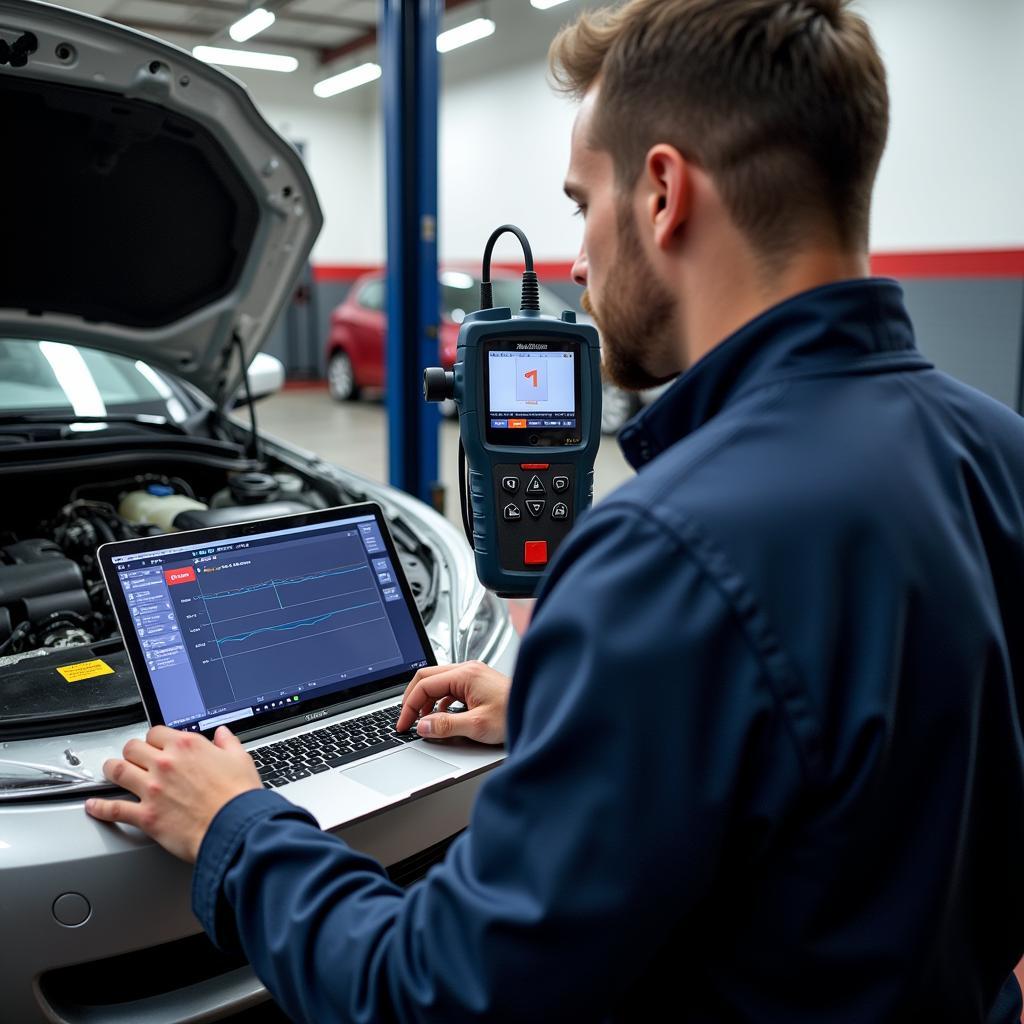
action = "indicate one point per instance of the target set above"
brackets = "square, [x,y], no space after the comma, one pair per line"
[184,575]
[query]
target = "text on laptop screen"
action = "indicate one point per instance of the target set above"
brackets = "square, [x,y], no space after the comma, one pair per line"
[235,628]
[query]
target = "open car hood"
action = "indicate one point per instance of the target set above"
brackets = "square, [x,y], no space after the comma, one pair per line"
[148,209]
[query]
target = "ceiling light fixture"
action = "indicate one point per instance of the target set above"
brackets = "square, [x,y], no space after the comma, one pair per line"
[543,5]
[481,28]
[245,59]
[352,79]
[254,22]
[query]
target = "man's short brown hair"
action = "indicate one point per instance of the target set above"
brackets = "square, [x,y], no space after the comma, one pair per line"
[783,102]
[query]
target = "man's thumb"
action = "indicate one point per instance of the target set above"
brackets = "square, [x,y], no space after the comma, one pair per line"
[441,725]
[225,738]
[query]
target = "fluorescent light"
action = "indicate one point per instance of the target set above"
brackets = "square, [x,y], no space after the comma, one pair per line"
[457,279]
[463,34]
[352,79]
[245,59]
[254,22]
[543,5]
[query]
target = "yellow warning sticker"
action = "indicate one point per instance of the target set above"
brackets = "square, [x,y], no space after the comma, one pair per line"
[85,670]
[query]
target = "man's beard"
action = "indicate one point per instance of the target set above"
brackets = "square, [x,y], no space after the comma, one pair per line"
[637,316]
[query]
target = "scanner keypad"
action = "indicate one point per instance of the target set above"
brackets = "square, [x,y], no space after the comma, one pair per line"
[536,512]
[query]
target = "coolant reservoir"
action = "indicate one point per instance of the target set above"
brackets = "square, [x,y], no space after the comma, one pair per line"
[157,505]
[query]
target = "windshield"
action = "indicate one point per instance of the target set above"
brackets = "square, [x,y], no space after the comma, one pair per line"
[48,376]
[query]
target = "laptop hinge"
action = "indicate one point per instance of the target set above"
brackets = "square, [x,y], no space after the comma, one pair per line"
[321,714]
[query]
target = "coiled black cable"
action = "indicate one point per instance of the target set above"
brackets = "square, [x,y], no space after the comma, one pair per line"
[531,287]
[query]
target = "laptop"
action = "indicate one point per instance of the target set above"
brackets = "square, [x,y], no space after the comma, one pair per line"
[298,633]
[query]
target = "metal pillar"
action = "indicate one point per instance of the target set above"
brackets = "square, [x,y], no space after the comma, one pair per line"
[408,36]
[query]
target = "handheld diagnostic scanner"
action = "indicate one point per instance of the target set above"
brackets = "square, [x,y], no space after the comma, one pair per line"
[528,391]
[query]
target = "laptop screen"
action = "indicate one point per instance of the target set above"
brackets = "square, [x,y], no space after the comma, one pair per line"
[254,625]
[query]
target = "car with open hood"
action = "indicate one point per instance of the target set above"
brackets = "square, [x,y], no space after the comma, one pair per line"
[154,227]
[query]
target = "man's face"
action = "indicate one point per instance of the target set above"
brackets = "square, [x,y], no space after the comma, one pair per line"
[634,311]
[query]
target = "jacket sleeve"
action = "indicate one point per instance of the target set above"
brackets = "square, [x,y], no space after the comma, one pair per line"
[645,745]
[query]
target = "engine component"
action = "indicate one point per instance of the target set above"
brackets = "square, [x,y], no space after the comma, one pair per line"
[253,488]
[33,550]
[158,505]
[287,487]
[63,629]
[37,581]
[52,594]
[200,518]
[36,701]
[291,486]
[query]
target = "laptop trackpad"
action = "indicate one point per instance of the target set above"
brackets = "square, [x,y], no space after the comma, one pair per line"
[401,771]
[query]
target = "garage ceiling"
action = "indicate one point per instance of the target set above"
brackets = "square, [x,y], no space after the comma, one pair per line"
[328,28]
[320,26]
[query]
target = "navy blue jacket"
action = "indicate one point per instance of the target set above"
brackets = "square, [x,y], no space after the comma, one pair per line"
[765,761]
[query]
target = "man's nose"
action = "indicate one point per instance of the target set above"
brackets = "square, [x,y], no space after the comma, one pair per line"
[579,269]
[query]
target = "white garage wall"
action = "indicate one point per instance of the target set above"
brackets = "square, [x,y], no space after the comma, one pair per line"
[951,179]
[506,149]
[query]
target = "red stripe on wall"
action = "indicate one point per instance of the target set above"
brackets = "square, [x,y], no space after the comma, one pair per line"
[983,263]
[344,272]
[980,263]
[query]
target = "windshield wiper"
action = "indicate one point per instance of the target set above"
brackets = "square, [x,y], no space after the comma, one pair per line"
[22,775]
[142,419]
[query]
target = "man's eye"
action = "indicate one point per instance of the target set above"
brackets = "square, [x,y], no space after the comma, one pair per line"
[580,211]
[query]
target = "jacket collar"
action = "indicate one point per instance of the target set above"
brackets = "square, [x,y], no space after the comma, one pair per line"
[857,326]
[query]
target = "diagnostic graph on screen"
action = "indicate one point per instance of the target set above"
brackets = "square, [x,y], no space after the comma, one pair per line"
[276,617]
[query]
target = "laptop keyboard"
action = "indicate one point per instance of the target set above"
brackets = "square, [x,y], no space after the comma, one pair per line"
[330,747]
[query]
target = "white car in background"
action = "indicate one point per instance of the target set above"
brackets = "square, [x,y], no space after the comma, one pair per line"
[154,226]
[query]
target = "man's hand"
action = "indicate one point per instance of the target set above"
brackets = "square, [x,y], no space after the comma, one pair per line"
[483,690]
[182,781]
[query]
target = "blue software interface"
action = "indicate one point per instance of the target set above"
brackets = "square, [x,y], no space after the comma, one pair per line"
[234,628]
[531,390]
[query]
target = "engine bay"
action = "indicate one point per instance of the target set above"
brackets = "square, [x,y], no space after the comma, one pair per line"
[52,595]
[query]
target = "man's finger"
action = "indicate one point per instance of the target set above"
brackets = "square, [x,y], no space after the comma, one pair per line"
[125,774]
[442,726]
[140,753]
[226,739]
[160,735]
[122,811]
[426,694]
[424,673]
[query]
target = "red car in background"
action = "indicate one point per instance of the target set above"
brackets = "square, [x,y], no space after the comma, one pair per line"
[356,356]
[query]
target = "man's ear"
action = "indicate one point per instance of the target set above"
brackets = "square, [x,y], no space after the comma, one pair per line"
[667,175]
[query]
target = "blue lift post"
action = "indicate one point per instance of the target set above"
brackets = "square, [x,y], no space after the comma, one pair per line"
[411,83]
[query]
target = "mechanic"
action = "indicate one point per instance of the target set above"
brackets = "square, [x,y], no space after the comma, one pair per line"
[765,754]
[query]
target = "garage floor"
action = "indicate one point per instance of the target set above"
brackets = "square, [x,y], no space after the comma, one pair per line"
[354,435]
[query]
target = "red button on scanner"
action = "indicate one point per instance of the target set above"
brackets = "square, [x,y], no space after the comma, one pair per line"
[535,465]
[535,552]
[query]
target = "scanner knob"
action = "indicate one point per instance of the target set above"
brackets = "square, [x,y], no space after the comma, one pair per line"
[438,384]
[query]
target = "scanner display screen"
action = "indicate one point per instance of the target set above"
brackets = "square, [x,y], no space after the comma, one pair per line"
[533,392]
